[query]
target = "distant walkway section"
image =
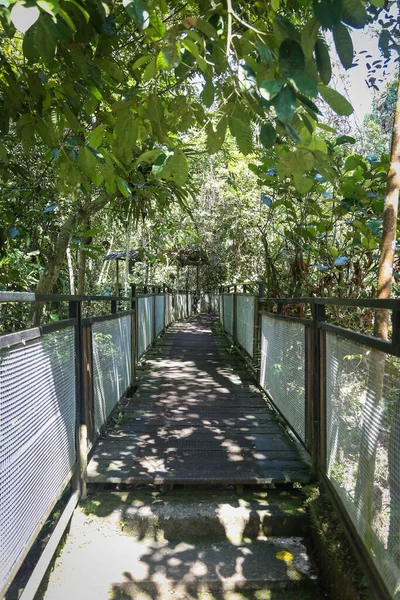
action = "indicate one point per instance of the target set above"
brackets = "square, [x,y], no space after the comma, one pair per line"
[196,418]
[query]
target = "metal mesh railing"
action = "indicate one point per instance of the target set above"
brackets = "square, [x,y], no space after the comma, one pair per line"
[111,343]
[205,303]
[168,309]
[282,373]
[246,307]
[159,314]
[214,301]
[145,320]
[37,437]
[180,307]
[189,310]
[363,446]
[228,313]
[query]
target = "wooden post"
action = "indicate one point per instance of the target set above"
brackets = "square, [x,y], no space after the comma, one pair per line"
[234,309]
[79,479]
[133,333]
[154,295]
[319,385]
[87,356]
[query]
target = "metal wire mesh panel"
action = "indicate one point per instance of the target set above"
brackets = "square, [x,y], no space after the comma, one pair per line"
[111,342]
[180,310]
[159,314]
[363,446]
[215,303]
[168,309]
[283,369]
[205,303]
[37,436]
[189,310]
[245,321]
[145,323]
[228,313]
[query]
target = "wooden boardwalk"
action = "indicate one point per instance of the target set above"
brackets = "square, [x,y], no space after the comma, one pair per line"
[196,418]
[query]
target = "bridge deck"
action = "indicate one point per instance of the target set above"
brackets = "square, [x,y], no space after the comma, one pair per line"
[196,418]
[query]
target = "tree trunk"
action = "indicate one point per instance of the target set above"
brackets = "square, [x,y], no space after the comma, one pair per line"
[70,272]
[127,259]
[385,273]
[84,222]
[370,431]
[55,263]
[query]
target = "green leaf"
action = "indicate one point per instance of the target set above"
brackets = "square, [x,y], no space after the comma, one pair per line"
[64,15]
[72,119]
[343,45]
[285,104]
[150,71]
[354,14]
[270,88]
[96,136]
[292,133]
[170,49]
[265,54]
[125,134]
[345,139]
[50,6]
[207,95]
[309,37]
[241,131]
[124,188]
[267,135]
[302,183]
[336,101]
[176,168]
[205,27]
[305,85]
[291,59]
[111,68]
[149,157]
[45,40]
[137,11]
[328,12]
[3,154]
[323,61]
[29,45]
[87,162]
[353,162]
[81,9]
[28,138]
[143,60]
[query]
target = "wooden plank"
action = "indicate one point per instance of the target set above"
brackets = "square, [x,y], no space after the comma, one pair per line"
[196,420]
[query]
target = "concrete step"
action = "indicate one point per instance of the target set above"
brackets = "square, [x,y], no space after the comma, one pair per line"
[102,560]
[199,514]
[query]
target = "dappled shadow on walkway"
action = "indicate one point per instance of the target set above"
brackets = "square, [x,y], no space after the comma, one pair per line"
[197,418]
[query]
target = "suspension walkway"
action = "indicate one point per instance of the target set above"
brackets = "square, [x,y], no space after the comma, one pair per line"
[191,476]
[197,418]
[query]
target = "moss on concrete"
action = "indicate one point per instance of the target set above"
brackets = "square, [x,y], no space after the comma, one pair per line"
[339,572]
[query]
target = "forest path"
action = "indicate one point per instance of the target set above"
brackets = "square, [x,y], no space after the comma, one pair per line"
[197,418]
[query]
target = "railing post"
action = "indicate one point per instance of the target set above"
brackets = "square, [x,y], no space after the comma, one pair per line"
[318,450]
[396,328]
[187,304]
[113,307]
[79,479]
[133,332]
[244,288]
[234,314]
[154,313]
[258,325]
